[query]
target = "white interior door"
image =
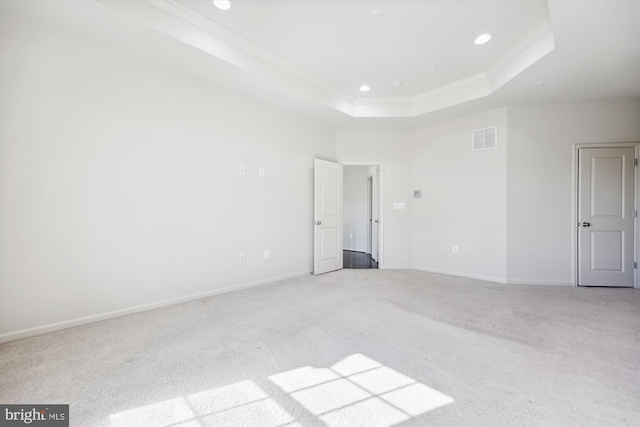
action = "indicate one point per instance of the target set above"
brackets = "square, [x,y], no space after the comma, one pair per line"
[606,216]
[327,212]
[375,214]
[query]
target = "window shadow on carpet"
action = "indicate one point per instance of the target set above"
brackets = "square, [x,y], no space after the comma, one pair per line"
[357,390]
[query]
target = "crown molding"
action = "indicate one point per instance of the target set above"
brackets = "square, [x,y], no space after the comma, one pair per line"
[181,23]
[534,47]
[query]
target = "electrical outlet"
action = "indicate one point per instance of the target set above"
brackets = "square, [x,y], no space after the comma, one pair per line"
[351,235]
[242,170]
[455,249]
[241,257]
[267,255]
[261,172]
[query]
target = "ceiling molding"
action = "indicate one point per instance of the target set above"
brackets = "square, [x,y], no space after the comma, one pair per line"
[179,22]
[245,45]
[534,47]
[538,44]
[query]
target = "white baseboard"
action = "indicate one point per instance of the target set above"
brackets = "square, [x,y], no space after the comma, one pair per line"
[396,267]
[39,330]
[538,282]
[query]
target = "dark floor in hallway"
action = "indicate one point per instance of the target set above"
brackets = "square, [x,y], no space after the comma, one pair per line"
[353,259]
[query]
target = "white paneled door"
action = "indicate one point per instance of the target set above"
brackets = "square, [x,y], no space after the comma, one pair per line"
[327,212]
[606,191]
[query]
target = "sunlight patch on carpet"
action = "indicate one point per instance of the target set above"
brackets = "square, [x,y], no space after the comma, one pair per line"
[359,391]
[356,391]
[239,404]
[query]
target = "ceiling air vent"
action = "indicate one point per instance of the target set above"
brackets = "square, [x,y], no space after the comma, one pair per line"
[485,138]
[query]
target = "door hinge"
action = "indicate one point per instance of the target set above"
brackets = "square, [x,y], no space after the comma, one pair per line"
[635,162]
[635,265]
[635,213]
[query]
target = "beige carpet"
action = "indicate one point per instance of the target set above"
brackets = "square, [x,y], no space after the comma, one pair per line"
[355,347]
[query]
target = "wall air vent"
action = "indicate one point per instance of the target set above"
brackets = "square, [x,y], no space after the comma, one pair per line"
[484,139]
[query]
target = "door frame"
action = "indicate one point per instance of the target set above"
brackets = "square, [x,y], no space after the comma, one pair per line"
[380,166]
[574,208]
[370,215]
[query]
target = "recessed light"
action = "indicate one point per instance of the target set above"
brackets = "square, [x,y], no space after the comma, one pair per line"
[397,84]
[222,4]
[376,15]
[364,88]
[482,38]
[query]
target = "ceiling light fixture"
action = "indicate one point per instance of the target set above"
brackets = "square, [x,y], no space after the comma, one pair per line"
[397,84]
[222,4]
[376,15]
[364,88]
[482,38]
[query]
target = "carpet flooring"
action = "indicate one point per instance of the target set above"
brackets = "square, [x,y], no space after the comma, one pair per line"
[349,348]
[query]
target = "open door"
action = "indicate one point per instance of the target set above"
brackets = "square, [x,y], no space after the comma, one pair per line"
[606,217]
[327,212]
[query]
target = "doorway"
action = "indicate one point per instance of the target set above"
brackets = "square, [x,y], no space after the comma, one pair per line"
[362,215]
[605,215]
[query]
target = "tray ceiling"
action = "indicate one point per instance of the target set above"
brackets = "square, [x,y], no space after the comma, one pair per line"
[312,56]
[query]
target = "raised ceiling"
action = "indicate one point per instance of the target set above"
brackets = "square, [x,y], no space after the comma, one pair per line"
[311,56]
[339,43]
[334,47]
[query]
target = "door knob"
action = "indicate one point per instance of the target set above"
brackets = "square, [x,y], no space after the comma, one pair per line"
[318,222]
[586,224]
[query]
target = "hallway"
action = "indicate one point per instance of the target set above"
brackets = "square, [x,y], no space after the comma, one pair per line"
[358,260]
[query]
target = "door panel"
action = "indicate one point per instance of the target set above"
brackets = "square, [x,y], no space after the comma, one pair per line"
[607,187]
[611,258]
[605,216]
[327,254]
[330,251]
[330,179]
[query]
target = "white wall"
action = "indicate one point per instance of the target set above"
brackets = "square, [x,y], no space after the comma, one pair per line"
[540,186]
[356,208]
[120,184]
[511,207]
[393,149]
[463,198]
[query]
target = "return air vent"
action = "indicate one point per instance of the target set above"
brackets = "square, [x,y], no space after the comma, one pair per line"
[486,138]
